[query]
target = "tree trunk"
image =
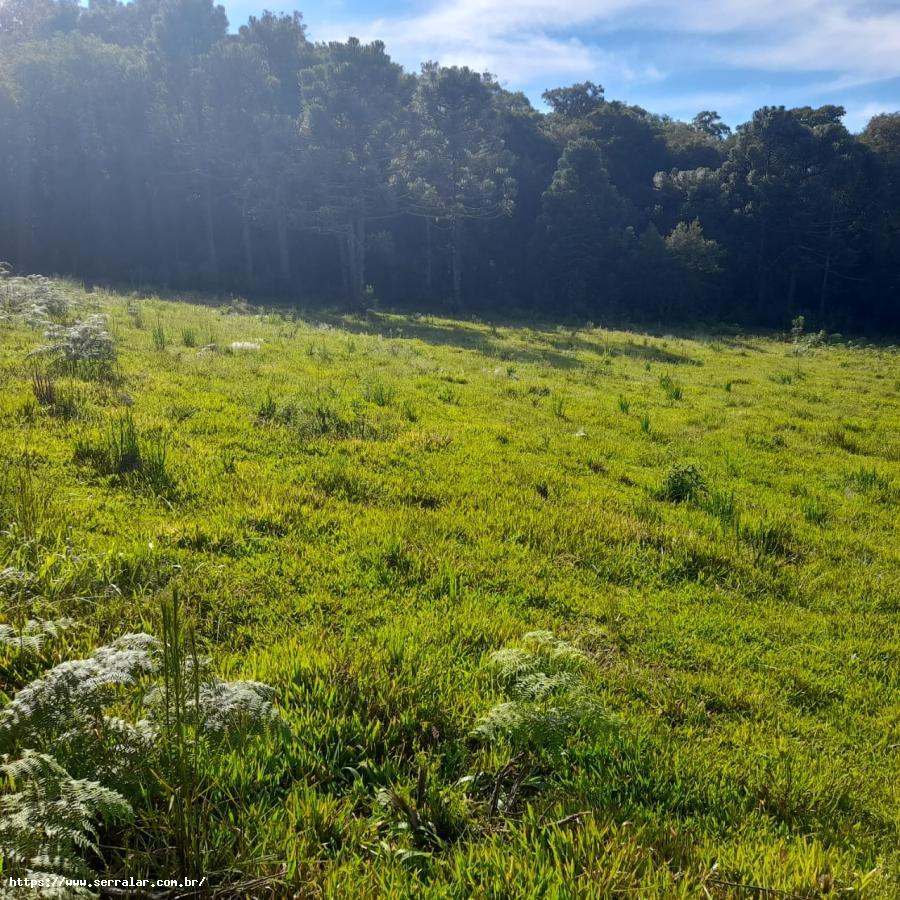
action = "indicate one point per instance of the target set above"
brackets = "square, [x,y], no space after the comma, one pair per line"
[284,250]
[761,269]
[428,263]
[823,296]
[456,261]
[22,226]
[356,259]
[247,245]
[792,292]
[212,256]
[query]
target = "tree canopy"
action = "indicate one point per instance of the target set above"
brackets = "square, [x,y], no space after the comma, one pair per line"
[144,142]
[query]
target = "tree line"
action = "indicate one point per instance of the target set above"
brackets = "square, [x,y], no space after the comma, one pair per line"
[143,143]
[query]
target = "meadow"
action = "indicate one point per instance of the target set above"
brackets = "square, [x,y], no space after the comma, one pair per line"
[547,611]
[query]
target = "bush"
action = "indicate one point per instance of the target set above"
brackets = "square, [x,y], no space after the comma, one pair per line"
[124,452]
[683,483]
[85,348]
[34,299]
[94,739]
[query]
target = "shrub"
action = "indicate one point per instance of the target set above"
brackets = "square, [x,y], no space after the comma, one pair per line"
[126,727]
[33,299]
[85,348]
[684,482]
[124,452]
[549,705]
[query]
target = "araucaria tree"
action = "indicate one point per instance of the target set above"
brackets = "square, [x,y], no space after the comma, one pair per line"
[352,102]
[149,142]
[452,165]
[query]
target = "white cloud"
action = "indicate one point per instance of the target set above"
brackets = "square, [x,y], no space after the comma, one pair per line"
[521,41]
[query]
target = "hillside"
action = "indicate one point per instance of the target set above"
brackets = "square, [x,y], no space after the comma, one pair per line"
[360,510]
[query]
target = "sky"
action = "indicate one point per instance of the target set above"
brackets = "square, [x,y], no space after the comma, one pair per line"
[670,56]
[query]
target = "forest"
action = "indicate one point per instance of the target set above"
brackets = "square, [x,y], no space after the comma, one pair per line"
[145,144]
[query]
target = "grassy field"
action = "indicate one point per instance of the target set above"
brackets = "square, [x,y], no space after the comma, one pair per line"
[359,511]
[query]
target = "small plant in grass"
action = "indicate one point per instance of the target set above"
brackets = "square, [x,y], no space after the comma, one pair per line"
[721,504]
[671,388]
[378,392]
[93,740]
[85,348]
[447,395]
[645,423]
[188,337]
[548,705]
[815,512]
[837,436]
[267,409]
[125,453]
[871,481]
[136,313]
[558,405]
[767,537]
[683,483]
[409,411]
[30,517]
[160,340]
[624,404]
[44,388]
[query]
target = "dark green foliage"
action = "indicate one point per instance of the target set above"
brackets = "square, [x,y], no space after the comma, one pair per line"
[122,451]
[263,164]
[684,482]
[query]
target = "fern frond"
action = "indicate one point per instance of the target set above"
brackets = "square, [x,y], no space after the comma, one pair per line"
[33,634]
[49,818]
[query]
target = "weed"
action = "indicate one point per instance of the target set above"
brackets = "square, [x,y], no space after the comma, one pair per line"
[267,409]
[721,504]
[815,512]
[683,482]
[378,392]
[44,388]
[767,537]
[672,389]
[624,404]
[160,340]
[870,481]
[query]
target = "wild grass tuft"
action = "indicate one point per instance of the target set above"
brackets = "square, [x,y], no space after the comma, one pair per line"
[683,483]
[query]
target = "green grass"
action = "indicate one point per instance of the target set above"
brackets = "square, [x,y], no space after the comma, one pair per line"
[360,511]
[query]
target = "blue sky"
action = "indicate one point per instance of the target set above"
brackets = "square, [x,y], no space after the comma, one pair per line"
[671,56]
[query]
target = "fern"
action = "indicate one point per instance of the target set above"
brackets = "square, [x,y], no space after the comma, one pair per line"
[33,299]
[34,633]
[49,820]
[549,701]
[80,753]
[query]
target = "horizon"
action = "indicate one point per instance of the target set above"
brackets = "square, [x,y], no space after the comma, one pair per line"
[652,53]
